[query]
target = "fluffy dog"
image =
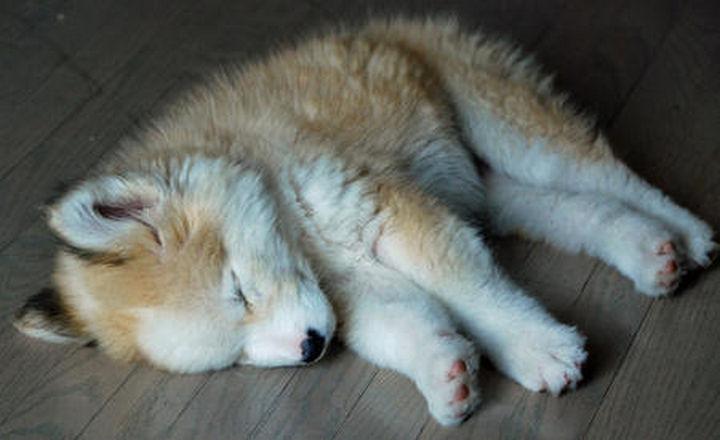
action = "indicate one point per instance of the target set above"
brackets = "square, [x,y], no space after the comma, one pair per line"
[339,178]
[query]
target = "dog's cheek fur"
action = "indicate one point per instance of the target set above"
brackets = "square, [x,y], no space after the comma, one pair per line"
[182,342]
[107,298]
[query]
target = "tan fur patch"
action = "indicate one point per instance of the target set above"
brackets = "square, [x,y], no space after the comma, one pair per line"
[190,261]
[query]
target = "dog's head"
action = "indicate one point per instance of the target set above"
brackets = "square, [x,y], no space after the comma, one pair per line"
[185,266]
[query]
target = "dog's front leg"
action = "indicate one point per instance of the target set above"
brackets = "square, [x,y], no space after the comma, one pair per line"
[445,256]
[396,325]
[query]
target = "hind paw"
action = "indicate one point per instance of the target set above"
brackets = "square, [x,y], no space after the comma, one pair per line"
[702,252]
[659,268]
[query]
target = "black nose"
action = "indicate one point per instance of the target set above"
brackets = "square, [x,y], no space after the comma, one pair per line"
[312,346]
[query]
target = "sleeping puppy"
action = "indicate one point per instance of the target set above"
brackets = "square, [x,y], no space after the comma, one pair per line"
[334,183]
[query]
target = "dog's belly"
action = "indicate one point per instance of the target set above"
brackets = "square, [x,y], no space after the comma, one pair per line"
[446,170]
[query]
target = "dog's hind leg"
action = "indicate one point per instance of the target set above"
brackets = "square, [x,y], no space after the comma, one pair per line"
[522,128]
[640,247]
[513,118]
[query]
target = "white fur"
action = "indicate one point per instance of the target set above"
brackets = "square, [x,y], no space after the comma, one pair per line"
[185,342]
[599,225]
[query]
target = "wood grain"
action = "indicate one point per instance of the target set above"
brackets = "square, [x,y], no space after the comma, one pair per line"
[146,405]
[318,399]
[668,386]
[58,147]
[37,79]
[231,404]
[64,401]
[388,398]
[65,155]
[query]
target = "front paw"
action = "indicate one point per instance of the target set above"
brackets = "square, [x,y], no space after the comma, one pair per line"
[448,380]
[545,359]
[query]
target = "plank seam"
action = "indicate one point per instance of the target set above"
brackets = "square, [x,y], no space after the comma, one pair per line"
[38,385]
[629,347]
[79,107]
[271,408]
[592,271]
[107,400]
[355,404]
[611,122]
[129,128]
[189,401]
[651,62]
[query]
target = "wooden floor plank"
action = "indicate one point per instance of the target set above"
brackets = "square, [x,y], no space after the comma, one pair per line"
[23,272]
[34,78]
[231,404]
[63,402]
[25,365]
[318,399]
[521,21]
[389,397]
[668,387]
[40,152]
[97,38]
[147,405]
[66,155]
[91,132]
[58,67]
[600,50]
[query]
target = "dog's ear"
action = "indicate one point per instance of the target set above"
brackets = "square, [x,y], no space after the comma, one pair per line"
[44,317]
[96,215]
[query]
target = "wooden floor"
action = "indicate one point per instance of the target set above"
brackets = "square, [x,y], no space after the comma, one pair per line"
[75,76]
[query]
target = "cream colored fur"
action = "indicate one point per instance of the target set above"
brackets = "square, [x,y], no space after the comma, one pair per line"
[337,178]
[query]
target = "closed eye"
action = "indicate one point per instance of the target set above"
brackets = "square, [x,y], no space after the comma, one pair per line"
[239,295]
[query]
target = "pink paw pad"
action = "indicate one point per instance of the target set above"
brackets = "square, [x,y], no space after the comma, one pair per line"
[668,275]
[666,248]
[461,393]
[458,368]
[670,267]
